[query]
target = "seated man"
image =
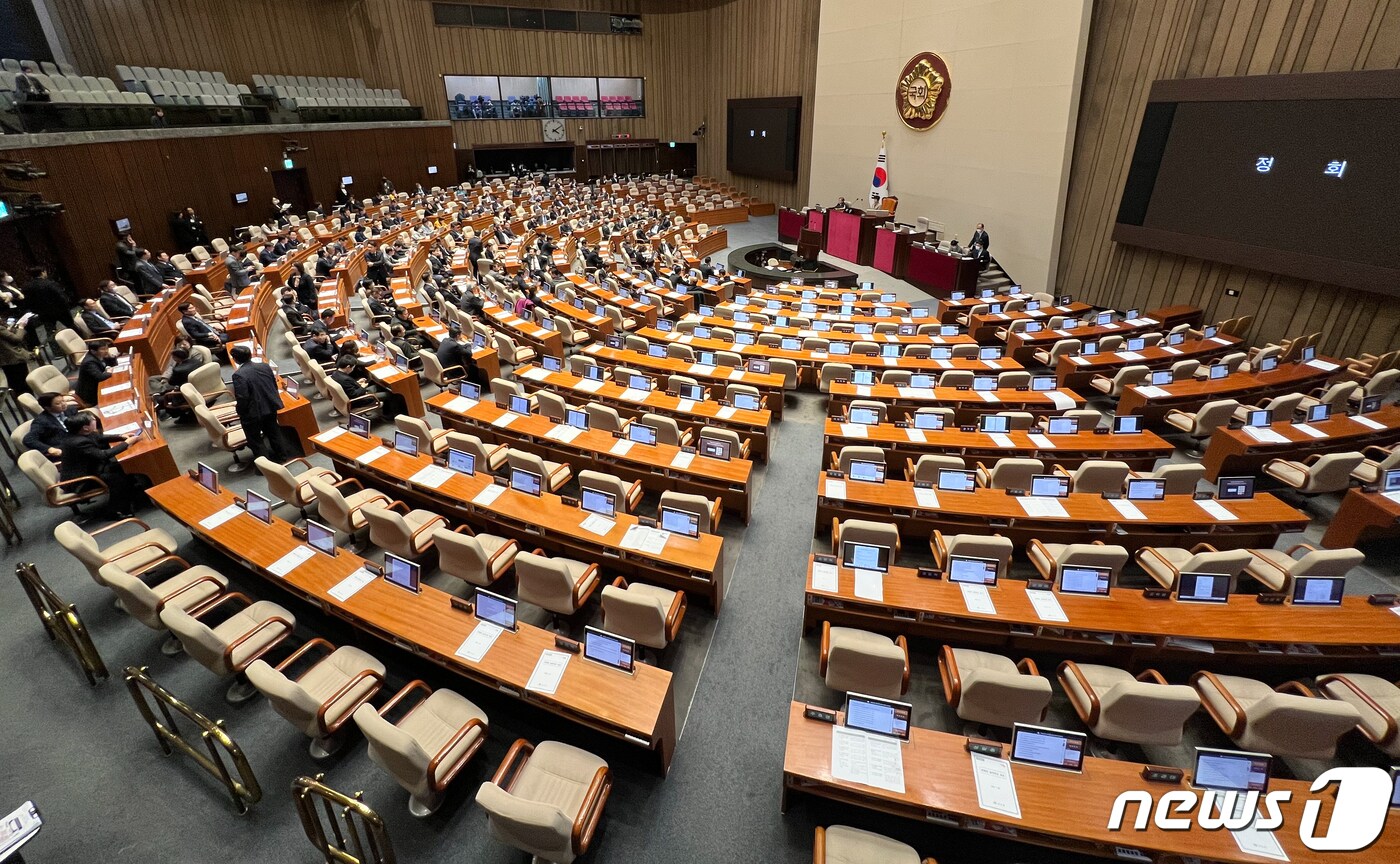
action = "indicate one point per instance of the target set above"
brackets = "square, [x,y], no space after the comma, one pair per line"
[201,332]
[169,273]
[47,431]
[117,307]
[169,399]
[297,314]
[392,404]
[97,322]
[85,453]
[319,348]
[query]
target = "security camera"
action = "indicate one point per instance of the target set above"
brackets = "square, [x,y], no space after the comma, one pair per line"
[699,130]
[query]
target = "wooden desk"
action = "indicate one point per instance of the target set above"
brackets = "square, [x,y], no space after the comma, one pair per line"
[212,274]
[542,339]
[753,426]
[826,300]
[629,308]
[1023,345]
[967,405]
[1123,629]
[637,708]
[939,273]
[1362,516]
[1141,451]
[769,386]
[892,248]
[1059,809]
[599,327]
[947,309]
[151,332]
[654,465]
[833,335]
[1076,372]
[125,405]
[1249,388]
[693,565]
[486,358]
[1176,520]
[1235,451]
[406,384]
[984,327]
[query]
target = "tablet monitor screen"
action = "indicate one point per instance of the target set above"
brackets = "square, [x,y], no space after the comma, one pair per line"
[1137,344]
[954,480]
[1042,383]
[320,537]
[208,477]
[525,481]
[870,472]
[1062,426]
[702,332]
[1319,590]
[468,390]
[928,421]
[1127,424]
[1105,318]
[1203,587]
[1268,364]
[359,424]
[259,507]
[461,461]
[972,571]
[1231,770]
[881,716]
[1049,486]
[1176,338]
[1260,417]
[1370,404]
[656,350]
[743,337]
[941,352]
[496,609]
[791,344]
[1048,748]
[865,556]
[639,382]
[994,423]
[680,522]
[693,392]
[989,353]
[889,351]
[984,382]
[746,401]
[1236,488]
[1083,579]
[576,418]
[949,330]
[596,501]
[600,646]
[1161,377]
[406,444]
[714,448]
[1146,489]
[920,380]
[1391,481]
[518,404]
[1319,412]
[400,572]
[761,367]
[862,376]
[1218,371]
[641,433]
[864,416]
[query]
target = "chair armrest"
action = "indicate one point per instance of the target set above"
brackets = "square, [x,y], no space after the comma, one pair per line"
[164,601]
[939,547]
[127,521]
[1377,453]
[60,484]
[367,398]
[314,642]
[1203,547]
[590,580]
[903,644]
[346,482]
[519,752]
[1391,728]
[1036,544]
[302,459]
[1296,688]
[1151,676]
[825,648]
[948,673]
[1070,669]
[717,511]
[161,561]
[346,689]
[232,595]
[398,506]
[1305,546]
[430,525]
[441,783]
[235,644]
[594,799]
[835,535]
[675,614]
[1230,726]
[404,692]
[1028,667]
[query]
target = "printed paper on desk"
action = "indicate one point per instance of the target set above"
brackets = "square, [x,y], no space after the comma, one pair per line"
[1127,509]
[383,372]
[1169,349]
[735,374]
[549,670]
[350,585]
[289,562]
[563,433]
[1129,355]
[1042,508]
[214,520]
[1041,441]
[125,428]
[116,388]
[726,411]
[862,390]
[589,385]
[988,396]
[505,419]
[1392,496]
[1323,365]
[329,435]
[1217,510]
[700,369]
[824,578]
[136,331]
[927,499]
[432,476]
[1079,361]
[991,364]
[119,408]
[488,495]
[1310,430]
[371,454]
[870,585]
[871,760]
[853,430]
[597,524]
[1152,392]
[977,599]
[479,642]
[1265,434]
[620,447]
[944,364]
[1047,606]
[996,787]
[535,373]
[1001,439]
[1220,340]
[682,460]
[836,489]
[632,394]
[1253,841]
[685,405]
[916,435]
[1367,421]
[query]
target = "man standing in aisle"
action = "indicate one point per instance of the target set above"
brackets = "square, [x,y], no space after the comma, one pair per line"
[255,394]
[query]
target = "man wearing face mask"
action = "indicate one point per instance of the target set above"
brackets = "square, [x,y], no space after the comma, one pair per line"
[96,367]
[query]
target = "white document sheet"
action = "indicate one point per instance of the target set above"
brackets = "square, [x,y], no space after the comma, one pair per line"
[871,760]
[432,476]
[535,373]
[563,432]
[1323,365]
[1127,509]
[685,405]
[488,495]
[461,405]
[862,389]
[1129,355]
[977,599]
[116,388]
[620,447]
[597,523]
[853,430]
[329,435]
[926,498]
[289,562]
[824,578]
[589,385]
[350,585]
[643,539]
[1042,507]
[700,369]
[682,460]
[549,670]
[916,435]
[1310,430]
[1152,392]
[836,489]
[1217,510]
[1047,606]
[988,396]
[214,520]
[1265,435]
[479,642]
[634,394]
[725,412]
[506,418]
[1079,361]
[1001,439]
[996,787]
[1367,421]
[1063,401]
[371,454]
[870,585]
[1041,441]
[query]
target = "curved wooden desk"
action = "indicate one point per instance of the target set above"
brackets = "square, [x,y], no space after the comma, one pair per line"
[638,708]
[769,386]
[967,405]
[832,335]
[1236,451]
[1077,372]
[984,327]
[1023,345]
[1362,516]
[1245,387]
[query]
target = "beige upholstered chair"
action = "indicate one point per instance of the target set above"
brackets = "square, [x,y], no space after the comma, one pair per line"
[135,554]
[577,363]
[396,528]
[1377,461]
[1117,706]
[1375,699]
[1011,473]
[706,510]
[626,496]
[1097,476]
[1048,558]
[881,409]
[865,531]
[294,489]
[841,844]
[1124,378]
[48,379]
[1277,569]
[428,746]
[994,546]
[1318,474]
[1337,395]
[646,614]
[955,378]
[1060,348]
[929,464]
[1202,424]
[668,431]
[738,447]
[1181,478]
[55,492]
[546,800]
[865,662]
[1282,407]
[230,646]
[229,438]
[323,698]
[188,590]
[604,418]
[1285,721]
[489,457]
[1165,564]
[842,459]
[430,440]
[991,689]
[477,559]
[560,586]
[551,405]
[833,372]
[341,512]
[512,353]
[553,474]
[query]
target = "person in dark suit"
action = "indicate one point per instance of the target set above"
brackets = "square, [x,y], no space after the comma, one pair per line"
[451,351]
[256,397]
[47,430]
[980,238]
[97,322]
[324,264]
[189,230]
[391,404]
[200,331]
[170,399]
[376,268]
[127,257]
[169,273]
[148,278]
[297,315]
[14,357]
[28,87]
[319,348]
[47,300]
[85,452]
[96,367]
[113,303]
[267,255]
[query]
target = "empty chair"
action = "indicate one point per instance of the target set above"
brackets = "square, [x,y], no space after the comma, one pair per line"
[733,390]
[560,586]
[1202,423]
[1379,384]
[604,418]
[546,800]
[987,546]
[578,363]
[926,469]
[430,440]
[1318,474]
[1012,380]
[553,475]
[510,352]
[1097,476]
[626,496]
[230,438]
[503,388]
[49,379]
[1124,378]
[1018,420]
[1338,396]
[865,531]
[842,460]
[477,559]
[880,409]
[647,614]
[707,511]
[955,378]
[1011,473]
[136,554]
[1048,558]
[1377,461]
[786,368]
[842,844]
[294,489]
[341,512]
[1060,348]
[1116,706]
[668,431]
[833,372]
[1185,370]
[679,351]
[230,646]
[1165,564]
[1277,569]
[321,700]
[189,590]
[428,746]
[990,689]
[396,528]
[489,457]
[1181,478]
[1285,721]
[1375,699]
[737,447]
[865,662]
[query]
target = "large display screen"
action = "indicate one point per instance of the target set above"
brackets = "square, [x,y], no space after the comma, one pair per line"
[1299,186]
[764,136]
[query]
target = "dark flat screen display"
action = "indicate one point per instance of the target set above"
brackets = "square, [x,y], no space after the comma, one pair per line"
[763,137]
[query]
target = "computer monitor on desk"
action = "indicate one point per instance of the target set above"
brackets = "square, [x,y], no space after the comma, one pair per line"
[258,507]
[1203,587]
[1231,770]
[1127,424]
[681,522]
[468,390]
[1235,488]
[401,572]
[928,421]
[609,649]
[865,556]
[641,433]
[966,570]
[597,501]
[552,363]
[956,480]
[1085,580]
[862,376]
[867,470]
[863,416]
[714,448]
[1259,418]
[1048,748]
[406,444]
[207,477]
[1049,486]
[525,481]
[320,537]
[461,461]
[1146,489]
[1062,426]
[994,423]
[746,401]
[495,609]
[359,424]
[1319,590]
[881,716]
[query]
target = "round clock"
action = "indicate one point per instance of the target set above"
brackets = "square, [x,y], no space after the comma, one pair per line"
[553,130]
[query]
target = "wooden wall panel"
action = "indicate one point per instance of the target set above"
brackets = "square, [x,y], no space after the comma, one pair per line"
[1134,43]
[147,179]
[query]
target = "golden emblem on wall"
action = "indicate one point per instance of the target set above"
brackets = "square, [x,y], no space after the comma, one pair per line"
[924,89]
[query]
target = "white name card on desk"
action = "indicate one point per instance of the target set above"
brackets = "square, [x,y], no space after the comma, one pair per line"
[1323,365]
[700,369]
[682,460]
[824,578]
[1129,355]
[1220,340]
[1127,509]
[1041,441]
[1152,392]
[1047,606]
[1265,435]
[836,489]
[563,433]
[1042,508]
[853,430]
[549,671]
[461,404]
[136,331]
[372,454]
[944,364]
[1001,439]
[289,562]
[432,476]
[214,520]
[1169,349]
[589,385]
[727,411]
[535,373]
[685,405]
[996,787]
[329,435]
[916,435]
[505,419]
[1367,421]
[1217,510]
[988,396]
[1253,841]
[488,495]
[977,599]
[350,585]
[862,390]
[868,759]
[927,499]
[116,388]
[1079,361]
[479,642]
[597,523]
[991,364]
[870,585]
[633,394]
[1310,430]
[620,447]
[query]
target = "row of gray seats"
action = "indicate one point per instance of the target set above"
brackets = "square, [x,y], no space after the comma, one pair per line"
[153,73]
[195,93]
[61,68]
[296,97]
[265,83]
[99,97]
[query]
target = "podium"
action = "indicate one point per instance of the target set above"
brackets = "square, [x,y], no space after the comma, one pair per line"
[790,224]
[939,273]
[892,245]
[850,236]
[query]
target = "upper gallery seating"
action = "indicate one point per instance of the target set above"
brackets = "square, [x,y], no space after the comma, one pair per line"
[182,86]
